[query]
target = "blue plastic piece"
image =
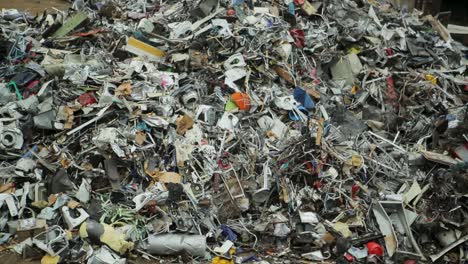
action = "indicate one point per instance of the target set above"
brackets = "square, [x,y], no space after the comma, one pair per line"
[292,8]
[326,129]
[304,98]
[142,126]
[229,233]
[237,2]
[450,117]
[294,116]
[250,258]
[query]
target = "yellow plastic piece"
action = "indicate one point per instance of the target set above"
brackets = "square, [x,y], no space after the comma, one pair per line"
[221,260]
[141,48]
[115,240]
[48,259]
[111,237]
[355,50]
[431,78]
[356,160]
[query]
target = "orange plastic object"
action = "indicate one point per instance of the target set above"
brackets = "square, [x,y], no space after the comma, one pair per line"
[242,100]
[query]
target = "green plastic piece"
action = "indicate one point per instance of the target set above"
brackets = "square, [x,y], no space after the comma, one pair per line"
[18,94]
[230,105]
[70,24]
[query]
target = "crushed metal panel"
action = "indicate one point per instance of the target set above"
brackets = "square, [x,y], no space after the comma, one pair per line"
[386,227]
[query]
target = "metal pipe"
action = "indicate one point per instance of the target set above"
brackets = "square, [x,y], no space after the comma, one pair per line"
[170,244]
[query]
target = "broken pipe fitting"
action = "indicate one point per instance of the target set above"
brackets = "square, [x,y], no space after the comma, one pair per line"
[11,138]
[190,98]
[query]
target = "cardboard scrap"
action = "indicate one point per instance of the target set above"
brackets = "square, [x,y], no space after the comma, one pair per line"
[184,123]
